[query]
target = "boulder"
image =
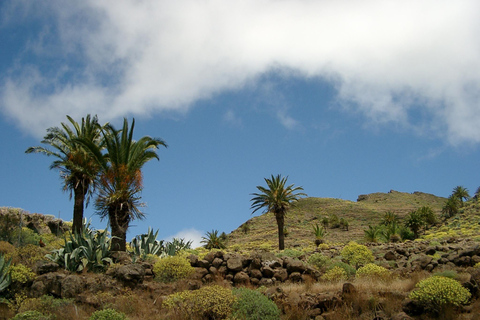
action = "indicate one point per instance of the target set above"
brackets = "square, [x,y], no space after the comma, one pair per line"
[72,285]
[217,262]
[267,272]
[241,278]
[235,263]
[295,277]
[294,265]
[43,267]
[49,283]
[390,256]
[280,274]
[203,264]
[255,273]
[130,274]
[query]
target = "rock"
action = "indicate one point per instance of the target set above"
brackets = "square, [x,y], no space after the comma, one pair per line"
[280,274]
[294,265]
[210,256]
[430,251]
[295,277]
[49,283]
[121,257]
[199,273]
[463,261]
[217,262]
[43,267]
[193,260]
[235,263]
[130,274]
[265,282]
[412,308]
[348,289]
[256,263]
[390,256]
[267,272]
[72,285]
[241,278]
[203,264]
[422,260]
[255,273]
[272,264]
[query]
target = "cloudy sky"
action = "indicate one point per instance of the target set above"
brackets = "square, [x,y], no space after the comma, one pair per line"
[344,97]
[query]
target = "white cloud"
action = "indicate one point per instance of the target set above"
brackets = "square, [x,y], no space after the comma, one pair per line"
[189,235]
[386,58]
[231,118]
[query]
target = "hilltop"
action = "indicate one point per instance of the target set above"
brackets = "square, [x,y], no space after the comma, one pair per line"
[367,210]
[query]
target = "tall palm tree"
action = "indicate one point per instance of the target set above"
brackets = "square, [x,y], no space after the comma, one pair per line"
[461,193]
[77,168]
[276,198]
[120,179]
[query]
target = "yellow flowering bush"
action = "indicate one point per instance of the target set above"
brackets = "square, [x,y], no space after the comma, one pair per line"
[372,271]
[357,254]
[335,274]
[212,302]
[21,273]
[172,268]
[437,292]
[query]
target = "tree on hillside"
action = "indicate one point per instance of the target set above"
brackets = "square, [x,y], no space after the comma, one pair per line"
[77,168]
[461,194]
[451,207]
[120,179]
[276,198]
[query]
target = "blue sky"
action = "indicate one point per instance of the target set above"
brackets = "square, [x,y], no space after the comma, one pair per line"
[344,97]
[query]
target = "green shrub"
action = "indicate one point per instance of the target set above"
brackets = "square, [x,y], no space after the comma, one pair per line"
[357,254]
[47,305]
[172,268]
[437,292]
[32,315]
[345,266]
[253,305]
[292,253]
[372,271]
[21,274]
[318,260]
[335,274]
[212,302]
[5,277]
[333,221]
[107,314]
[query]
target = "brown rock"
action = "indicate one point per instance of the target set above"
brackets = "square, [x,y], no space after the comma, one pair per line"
[280,274]
[241,278]
[235,263]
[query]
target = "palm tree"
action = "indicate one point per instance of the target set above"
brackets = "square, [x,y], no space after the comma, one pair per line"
[277,198]
[120,179]
[213,241]
[451,207]
[77,168]
[461,193]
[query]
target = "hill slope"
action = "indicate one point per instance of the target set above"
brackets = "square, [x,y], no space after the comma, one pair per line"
[368,210]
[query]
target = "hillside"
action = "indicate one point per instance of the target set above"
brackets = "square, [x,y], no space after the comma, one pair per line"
[367,210]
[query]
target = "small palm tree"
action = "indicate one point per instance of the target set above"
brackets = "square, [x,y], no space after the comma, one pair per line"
[120,179]
[451,207]
[319,233]
[461,194]
[77,168]
[415,222]
[213,241]
[372,233]
[389,217]
[276,198]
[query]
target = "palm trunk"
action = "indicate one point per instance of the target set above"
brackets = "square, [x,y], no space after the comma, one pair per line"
[119,220]
[78,201]
[281,236]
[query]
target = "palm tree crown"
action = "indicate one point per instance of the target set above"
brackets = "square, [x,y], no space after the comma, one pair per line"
[461,194]
[120,179]
[276,198]
[77,168]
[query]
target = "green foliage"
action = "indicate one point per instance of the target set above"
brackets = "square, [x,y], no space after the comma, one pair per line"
[32,315]
[23,236]
[89,249]
[318,260]
[451,207]
[21,273]
[345,266]
[428,215]
[9,222]
[357,254]
[212,302]
[172,268]
[292,253]
[333,221]
[452,274]
[372,271]
[344,224]
[436,293]
[108,314]
[391,232]
[372,233]
[146,244]
[414,220]
[5,278]
[213,241]
[253,305]
[47,305]
[389,217]
[335,274]
[171,248]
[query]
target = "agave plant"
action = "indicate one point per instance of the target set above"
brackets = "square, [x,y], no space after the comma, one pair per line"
[5,278]
[146,244]
[176,245]
[89,249]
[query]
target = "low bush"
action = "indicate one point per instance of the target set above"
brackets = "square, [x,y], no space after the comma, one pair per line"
[253,305]
[372,271]
[172,268]
[345,266]
[32,315]
[21,274]
[107,314]
[335,274]
[438,292]
[292,253]
[318,260]
[212,302]
[357,254]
